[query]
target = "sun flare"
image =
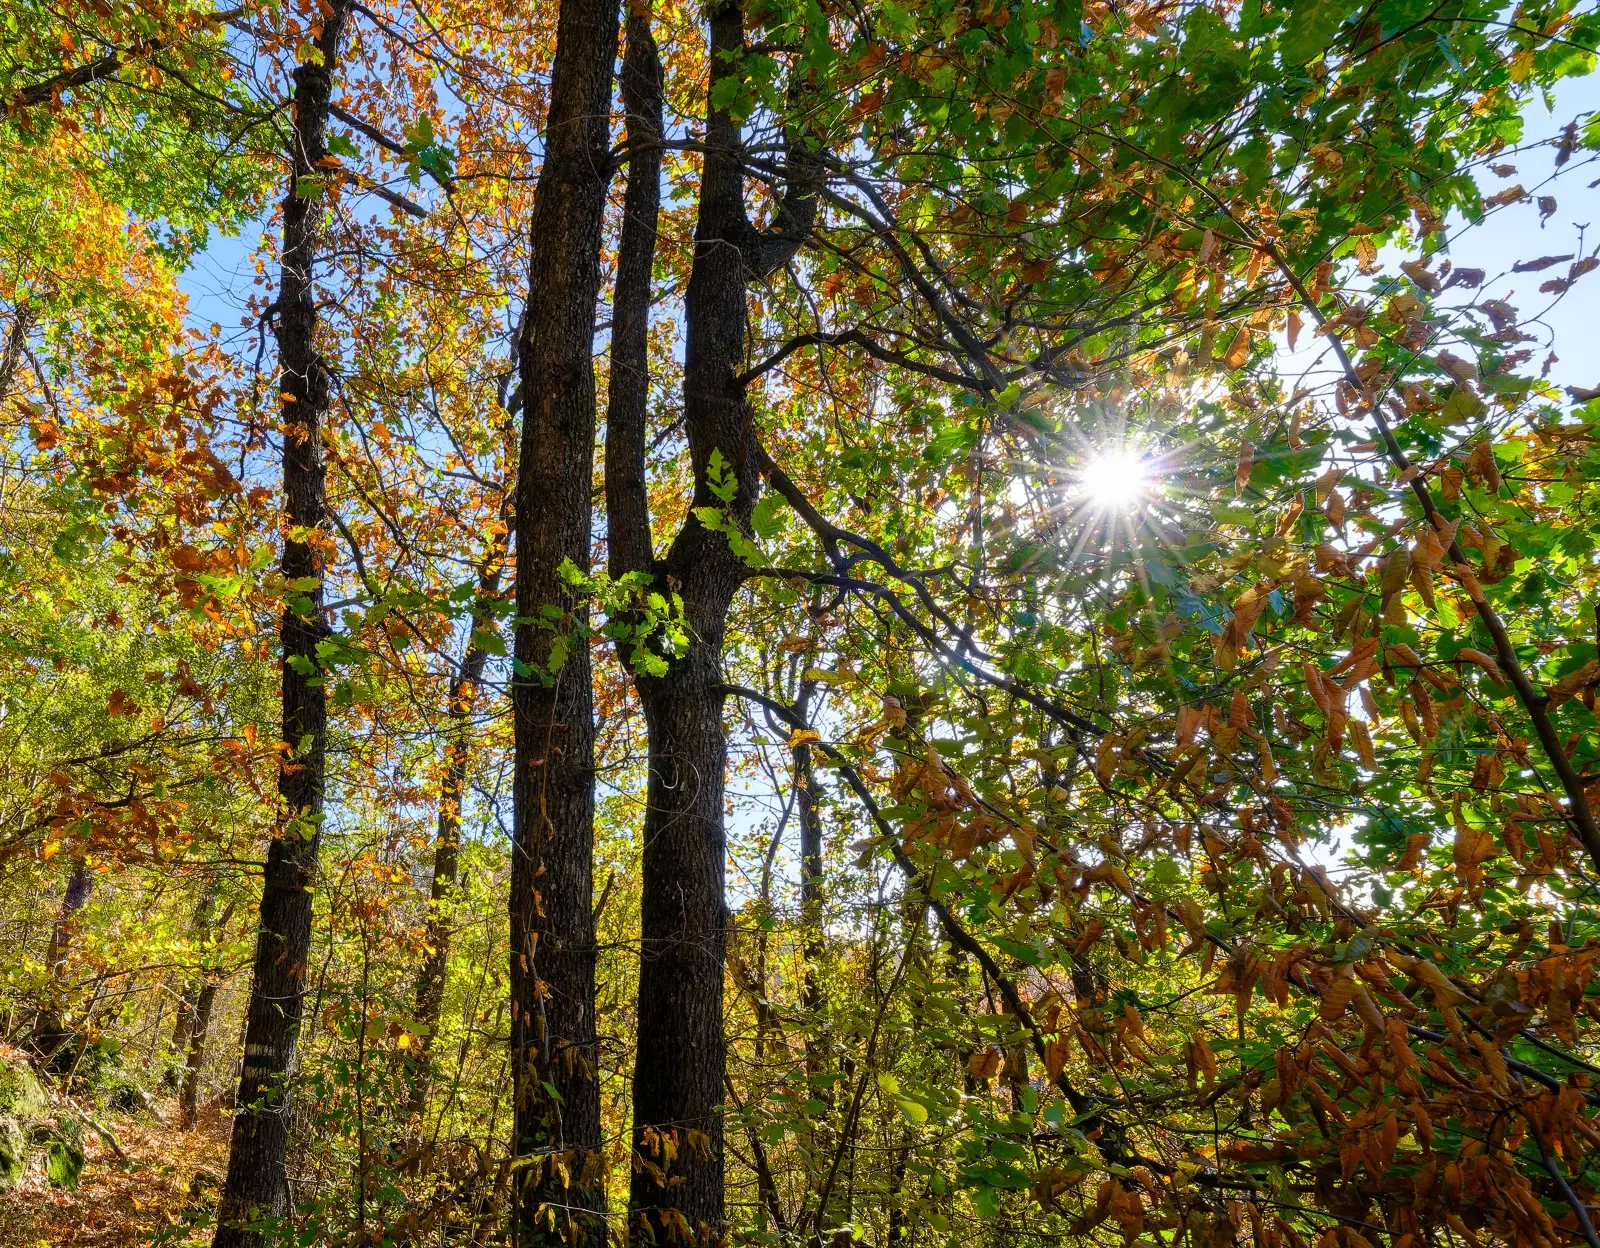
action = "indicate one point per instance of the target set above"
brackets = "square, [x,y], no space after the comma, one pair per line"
[1115,479]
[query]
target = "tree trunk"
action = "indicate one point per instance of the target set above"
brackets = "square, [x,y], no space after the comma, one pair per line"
[676,1192]
[554,1056]
[628,402]
[11,357]
[190,985]
[182,1024]
[195,1055]
[811,880]
[257,1185]
[812,947]
[676,1188]
[447,841]
[199,1013]
[48,1032]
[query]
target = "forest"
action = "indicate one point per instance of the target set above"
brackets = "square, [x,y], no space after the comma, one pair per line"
[799,624]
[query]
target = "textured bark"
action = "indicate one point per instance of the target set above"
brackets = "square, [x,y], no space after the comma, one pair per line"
[676,1191]
[257,1186]
[552,886]
[447,839]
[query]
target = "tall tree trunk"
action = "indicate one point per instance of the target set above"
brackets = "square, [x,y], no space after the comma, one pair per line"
[48,1032]
[11,357]
[677,1183]
[257,1185]
[447,840]
[812,947]
[554,1055]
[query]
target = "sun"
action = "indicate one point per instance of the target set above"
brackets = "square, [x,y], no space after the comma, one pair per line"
[1115,479]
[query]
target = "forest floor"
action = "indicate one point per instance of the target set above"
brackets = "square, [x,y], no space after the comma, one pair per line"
[119,1203]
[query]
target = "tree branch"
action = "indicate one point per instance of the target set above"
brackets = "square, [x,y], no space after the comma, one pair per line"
[50,88]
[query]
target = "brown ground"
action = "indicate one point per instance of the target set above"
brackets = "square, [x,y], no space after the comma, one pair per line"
[119,1204]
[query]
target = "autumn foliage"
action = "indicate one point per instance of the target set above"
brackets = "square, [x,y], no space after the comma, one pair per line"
[948,623]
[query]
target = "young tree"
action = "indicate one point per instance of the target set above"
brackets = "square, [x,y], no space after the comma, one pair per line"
[256,1187]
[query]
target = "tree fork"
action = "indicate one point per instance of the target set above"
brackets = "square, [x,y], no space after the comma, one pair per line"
[677,1186]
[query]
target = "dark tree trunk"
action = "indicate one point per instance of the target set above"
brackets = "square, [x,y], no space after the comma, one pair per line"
[447,840]
[552,886]
[257,1185]
[16,340]
[628,402]
[49,1035]
[677,1184]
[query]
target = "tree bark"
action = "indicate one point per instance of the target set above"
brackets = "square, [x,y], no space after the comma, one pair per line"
[628,401]
[554,1056]
[257,1185]
[676,1191]
[463,700]
[11,357]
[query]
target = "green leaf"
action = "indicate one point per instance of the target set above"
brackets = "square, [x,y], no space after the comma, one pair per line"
[915,1112]
[767,519]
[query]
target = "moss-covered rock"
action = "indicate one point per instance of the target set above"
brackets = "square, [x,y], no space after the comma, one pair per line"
[21,1097]
[64,1162]
[13,1152]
